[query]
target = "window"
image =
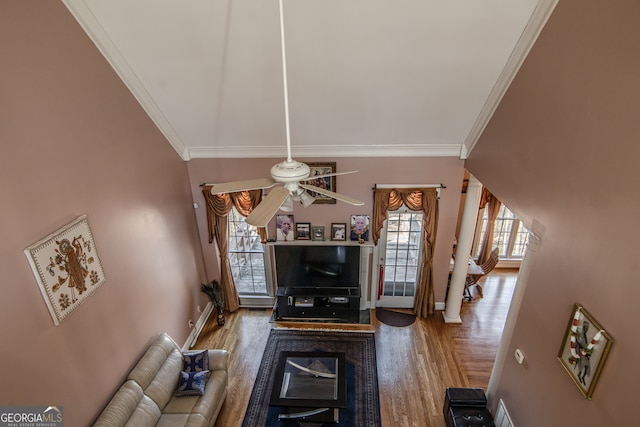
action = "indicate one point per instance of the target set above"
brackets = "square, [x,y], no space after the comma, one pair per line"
[246,256]
[402,253]
[509,234]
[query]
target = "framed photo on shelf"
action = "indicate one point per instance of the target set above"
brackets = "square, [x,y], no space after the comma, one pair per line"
[317,232]
[303,231]
[326,183]
[359,228]
[338,231]
[284,227]
[584,350]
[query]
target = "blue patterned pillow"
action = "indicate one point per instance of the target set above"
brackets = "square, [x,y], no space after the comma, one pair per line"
[195,361]
[192,383]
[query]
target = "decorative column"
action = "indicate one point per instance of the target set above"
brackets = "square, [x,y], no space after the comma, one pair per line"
[463,251]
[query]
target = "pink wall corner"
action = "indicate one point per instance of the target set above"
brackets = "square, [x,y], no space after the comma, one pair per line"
[75,142]
[561,151]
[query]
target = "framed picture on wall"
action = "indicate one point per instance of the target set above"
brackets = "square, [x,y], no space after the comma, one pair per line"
[326,183]
[584,350]
[67,268]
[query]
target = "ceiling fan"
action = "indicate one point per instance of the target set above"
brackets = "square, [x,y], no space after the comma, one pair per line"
[291,173]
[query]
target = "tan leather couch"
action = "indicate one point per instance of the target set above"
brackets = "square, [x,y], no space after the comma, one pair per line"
[147,398]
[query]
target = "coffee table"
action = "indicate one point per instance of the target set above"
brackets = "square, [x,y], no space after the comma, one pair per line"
[310,386]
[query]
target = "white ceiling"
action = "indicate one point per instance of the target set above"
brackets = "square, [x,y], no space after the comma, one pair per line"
[372,77]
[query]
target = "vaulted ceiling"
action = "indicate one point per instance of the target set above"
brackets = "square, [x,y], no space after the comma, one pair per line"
[374,78]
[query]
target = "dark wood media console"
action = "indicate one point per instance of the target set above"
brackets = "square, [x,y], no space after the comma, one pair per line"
[332,304]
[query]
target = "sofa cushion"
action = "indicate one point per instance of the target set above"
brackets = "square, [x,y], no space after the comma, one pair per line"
[208,405]
[129,406]
[158,370]
[192,383]
[195,361]
[183,420]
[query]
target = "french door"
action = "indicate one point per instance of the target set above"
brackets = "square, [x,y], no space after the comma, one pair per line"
[400,249]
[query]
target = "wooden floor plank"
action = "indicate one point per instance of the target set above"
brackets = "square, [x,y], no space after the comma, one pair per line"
[415,363]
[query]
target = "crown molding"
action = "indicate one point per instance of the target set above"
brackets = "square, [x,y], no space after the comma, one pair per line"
[528,38]
[406,150]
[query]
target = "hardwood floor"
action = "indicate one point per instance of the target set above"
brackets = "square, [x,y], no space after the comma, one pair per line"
[415,364]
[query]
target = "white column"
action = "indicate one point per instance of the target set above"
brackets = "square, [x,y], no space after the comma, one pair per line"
[514,309]
[463,251]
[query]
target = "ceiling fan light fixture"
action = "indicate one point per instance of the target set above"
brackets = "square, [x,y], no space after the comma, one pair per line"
[287,205]
[306,199]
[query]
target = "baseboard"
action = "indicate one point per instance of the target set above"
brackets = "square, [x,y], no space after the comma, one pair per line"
[195,332]
[440,306]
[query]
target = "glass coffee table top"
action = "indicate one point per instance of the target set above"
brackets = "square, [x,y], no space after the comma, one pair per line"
[309,381]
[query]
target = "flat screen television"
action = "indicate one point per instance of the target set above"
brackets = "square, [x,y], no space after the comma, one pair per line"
[326,266]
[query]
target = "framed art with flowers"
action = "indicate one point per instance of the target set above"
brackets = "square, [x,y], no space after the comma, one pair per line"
[584,350]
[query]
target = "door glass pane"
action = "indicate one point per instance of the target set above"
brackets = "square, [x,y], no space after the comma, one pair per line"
[403,246]
[246,256]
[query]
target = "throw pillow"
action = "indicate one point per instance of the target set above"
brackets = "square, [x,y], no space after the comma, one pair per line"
[192,383]
[195,361]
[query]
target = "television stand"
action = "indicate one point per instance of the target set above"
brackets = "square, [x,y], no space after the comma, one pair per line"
[331,304]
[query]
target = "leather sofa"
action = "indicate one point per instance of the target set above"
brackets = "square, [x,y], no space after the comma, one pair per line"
[148,396]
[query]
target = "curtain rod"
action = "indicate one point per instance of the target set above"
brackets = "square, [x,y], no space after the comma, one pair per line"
[408,186]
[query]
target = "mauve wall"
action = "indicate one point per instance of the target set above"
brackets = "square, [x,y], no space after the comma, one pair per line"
[74,141]
[445,170]
[562,151]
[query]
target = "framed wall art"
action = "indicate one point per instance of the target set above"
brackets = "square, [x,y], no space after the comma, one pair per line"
[584,350]
[327,183]
[66,267]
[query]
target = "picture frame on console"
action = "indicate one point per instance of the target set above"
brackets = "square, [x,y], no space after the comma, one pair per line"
[327,183]
[584,350]
[359,228]
[303,231]
[284,227]
[317,232]
[338,231]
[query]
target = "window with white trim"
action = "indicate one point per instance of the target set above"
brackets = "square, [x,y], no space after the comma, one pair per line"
[509,234]
[246,256]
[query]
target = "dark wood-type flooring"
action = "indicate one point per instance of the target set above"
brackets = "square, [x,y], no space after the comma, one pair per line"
[415,364]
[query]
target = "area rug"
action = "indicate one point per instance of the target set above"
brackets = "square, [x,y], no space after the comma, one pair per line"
[395,318]
[363,400]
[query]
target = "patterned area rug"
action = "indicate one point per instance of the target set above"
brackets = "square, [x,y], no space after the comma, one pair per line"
[363,401]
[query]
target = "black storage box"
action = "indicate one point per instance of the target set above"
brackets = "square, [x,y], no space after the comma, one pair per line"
[473,397]
[469,416]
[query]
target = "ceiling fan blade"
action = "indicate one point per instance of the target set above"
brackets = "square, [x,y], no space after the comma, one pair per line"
[333,195]
[328,174]
[232,187]
[268,207]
